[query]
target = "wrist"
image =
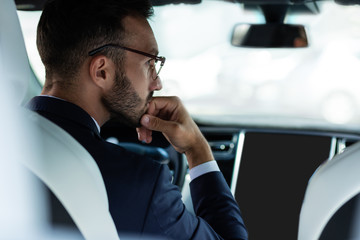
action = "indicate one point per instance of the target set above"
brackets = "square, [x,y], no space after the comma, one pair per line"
[199,154]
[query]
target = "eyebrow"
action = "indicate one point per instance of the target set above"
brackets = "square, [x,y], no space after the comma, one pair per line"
[154,51]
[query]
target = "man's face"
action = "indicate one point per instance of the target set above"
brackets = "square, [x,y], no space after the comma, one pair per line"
[134,86]
[124,103]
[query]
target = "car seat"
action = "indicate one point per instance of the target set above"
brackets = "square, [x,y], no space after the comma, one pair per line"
[331,207]
[49,152]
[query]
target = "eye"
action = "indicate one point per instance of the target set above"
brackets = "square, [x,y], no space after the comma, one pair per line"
[151,63]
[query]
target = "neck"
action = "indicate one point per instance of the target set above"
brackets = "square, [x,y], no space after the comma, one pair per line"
[87,99]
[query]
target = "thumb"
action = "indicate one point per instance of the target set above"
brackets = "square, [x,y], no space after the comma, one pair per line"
[155,123]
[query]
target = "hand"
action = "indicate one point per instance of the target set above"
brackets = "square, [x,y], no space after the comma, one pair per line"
[169,116]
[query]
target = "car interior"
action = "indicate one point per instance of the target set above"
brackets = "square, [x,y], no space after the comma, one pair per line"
[292,179]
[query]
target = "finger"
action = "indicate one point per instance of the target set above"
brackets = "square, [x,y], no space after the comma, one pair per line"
[144,134]
[152,107]
[148,136]
[163,107]
[140,133]
[158,124]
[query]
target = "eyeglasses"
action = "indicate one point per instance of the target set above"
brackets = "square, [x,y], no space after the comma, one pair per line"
[155,67]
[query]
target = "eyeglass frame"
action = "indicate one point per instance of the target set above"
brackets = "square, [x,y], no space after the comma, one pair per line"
[156,58]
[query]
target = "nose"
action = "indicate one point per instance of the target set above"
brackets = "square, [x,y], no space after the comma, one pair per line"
[156,84]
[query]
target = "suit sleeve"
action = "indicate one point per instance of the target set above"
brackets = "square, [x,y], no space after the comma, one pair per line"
[218,216]
[214,203]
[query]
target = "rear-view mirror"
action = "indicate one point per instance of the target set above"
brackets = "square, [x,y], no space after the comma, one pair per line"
[270,35]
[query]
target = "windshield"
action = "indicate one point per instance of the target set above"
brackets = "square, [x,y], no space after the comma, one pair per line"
[314,87]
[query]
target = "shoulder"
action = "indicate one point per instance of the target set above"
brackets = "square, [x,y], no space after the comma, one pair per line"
[119,165]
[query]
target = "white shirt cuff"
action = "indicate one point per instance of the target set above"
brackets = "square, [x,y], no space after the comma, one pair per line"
[201,169]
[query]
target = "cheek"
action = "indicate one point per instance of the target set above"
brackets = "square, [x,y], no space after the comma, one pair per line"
[141,88]
[138,76]
[140,84]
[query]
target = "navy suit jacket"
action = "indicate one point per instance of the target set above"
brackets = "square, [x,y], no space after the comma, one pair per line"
[142,198]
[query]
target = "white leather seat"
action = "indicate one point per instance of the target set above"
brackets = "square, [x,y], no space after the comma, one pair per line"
[73,176]
[332,185]
[54,156]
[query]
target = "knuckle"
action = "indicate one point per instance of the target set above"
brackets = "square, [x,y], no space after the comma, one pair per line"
[176,99]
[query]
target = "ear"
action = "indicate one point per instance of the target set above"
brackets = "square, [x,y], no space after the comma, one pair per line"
[102,72]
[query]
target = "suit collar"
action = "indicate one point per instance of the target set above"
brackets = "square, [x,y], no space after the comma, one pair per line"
[63,109]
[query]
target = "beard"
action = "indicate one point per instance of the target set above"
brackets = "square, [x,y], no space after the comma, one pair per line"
[124,103]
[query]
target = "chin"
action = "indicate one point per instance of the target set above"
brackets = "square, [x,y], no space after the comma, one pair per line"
[128,121]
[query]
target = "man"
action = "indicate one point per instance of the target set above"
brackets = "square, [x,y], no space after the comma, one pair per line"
[101,62]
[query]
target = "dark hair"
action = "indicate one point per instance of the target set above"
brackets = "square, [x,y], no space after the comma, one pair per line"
[69,29]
